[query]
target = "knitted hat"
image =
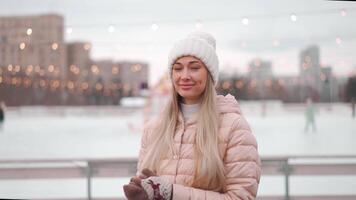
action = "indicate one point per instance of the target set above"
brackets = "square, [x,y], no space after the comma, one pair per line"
[200,45]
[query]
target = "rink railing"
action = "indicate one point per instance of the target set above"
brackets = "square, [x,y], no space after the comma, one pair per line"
[91,168]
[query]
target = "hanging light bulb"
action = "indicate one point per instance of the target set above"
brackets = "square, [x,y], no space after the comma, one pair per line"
[293,17]
[111,29]
[154,27]
[245,21]
[69,30]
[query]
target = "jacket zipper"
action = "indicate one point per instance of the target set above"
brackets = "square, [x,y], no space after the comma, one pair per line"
[178,156]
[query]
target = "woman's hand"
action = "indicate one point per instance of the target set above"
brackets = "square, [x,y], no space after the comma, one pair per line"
[134,191]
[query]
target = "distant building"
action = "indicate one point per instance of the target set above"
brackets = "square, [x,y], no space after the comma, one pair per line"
[33,59]
[329,88]
[38,67]
[30,41]
[79,61]
[134,76]
[260,70]
[260,74]
[310,73]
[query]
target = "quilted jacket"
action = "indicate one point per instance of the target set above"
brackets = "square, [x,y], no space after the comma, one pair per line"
[238,150]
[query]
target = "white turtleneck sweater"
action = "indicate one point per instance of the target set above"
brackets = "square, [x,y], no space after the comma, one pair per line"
[188,110]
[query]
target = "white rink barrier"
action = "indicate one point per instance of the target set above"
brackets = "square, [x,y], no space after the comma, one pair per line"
[126,167]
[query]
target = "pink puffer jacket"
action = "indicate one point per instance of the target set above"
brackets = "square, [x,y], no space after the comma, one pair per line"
[238,151]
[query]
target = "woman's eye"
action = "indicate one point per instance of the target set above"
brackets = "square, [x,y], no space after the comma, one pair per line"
[177,68]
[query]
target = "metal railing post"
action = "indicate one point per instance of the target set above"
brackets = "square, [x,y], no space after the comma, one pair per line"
[287,171]
[89,175]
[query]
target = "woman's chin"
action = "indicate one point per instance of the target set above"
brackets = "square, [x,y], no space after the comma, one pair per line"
[186,94]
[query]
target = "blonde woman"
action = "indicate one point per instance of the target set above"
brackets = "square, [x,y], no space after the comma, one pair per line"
[201,147]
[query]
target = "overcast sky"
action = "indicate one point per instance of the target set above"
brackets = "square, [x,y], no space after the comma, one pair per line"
[270,33]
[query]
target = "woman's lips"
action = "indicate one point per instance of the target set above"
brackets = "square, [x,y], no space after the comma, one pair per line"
[186,87]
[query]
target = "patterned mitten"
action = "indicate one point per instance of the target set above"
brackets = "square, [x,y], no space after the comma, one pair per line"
[157,188]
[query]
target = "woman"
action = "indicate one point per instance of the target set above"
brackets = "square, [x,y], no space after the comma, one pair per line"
[201,147]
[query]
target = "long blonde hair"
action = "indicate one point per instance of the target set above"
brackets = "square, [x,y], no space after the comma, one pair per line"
[209,167]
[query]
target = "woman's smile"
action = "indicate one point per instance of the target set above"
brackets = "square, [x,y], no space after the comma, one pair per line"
[186,86]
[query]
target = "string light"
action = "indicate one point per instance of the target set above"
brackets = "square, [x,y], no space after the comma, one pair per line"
[17,68]
[245,21]
[293,17]
[51,68]
[98,86]
[22,45]
[72,68]
[136,68]
[69,30]
[70,85]
[85,86]
[255,17]
[54,46]
[95,69]
[226,85]
[87,46]
[111,29]
[115,70]
[29,70]
[154,27]
[9,68]
[29,31]
[239,84]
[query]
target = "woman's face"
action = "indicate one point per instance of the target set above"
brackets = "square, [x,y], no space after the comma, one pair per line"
[189,76]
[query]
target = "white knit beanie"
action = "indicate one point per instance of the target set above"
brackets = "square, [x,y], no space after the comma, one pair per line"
[200,45]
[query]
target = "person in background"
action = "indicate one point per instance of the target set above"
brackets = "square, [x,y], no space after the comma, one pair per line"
[2,113]
[353,102]
[201,147]
[309,115]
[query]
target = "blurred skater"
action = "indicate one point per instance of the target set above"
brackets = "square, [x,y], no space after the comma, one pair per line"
[2,114]
[309,115]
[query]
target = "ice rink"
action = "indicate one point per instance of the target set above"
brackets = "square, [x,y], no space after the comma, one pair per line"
[114,132]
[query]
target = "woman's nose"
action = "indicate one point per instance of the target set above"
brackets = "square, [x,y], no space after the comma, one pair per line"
[185,74]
